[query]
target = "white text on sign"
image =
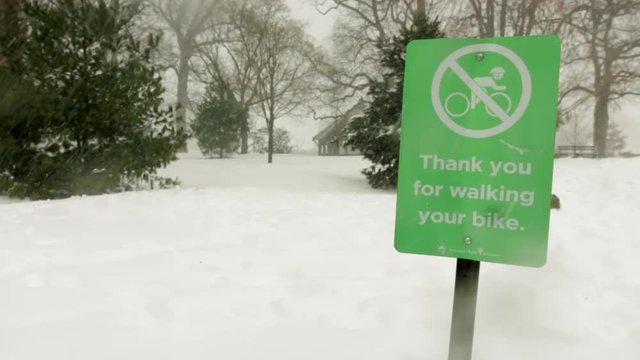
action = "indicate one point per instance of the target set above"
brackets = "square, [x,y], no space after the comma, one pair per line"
[433,162]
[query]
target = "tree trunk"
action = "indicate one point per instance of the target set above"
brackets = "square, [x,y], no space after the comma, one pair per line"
[183,81]
[421,8]
[115,4]
[244,136]
[491,22]
[270,141]
[503,18]
[244,128]
[601,125]
[9,16]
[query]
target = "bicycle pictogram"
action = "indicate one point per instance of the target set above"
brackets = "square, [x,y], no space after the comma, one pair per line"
[470,102]
[490,92]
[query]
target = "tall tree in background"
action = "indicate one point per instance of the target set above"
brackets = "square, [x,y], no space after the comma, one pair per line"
[375,134]
[237,56]
[187,20]
[607,42]
[284,81]
[218,120]
[493,18]
[601,50]
[265,55]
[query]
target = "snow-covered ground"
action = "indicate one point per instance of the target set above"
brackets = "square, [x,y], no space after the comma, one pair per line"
[295,260]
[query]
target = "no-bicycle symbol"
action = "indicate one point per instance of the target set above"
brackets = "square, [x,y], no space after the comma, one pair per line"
[491,102]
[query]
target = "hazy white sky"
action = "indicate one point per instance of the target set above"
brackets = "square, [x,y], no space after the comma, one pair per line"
[318,25]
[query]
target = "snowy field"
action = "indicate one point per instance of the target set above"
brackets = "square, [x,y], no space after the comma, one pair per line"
[296,261]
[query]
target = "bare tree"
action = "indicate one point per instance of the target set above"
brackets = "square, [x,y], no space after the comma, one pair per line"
[601,47]
[607,36]
[359,27]
[187,20]
[236,55]
[492,18]
[505,18]
[284,80]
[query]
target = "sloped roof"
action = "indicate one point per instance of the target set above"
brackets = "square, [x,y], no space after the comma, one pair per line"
[333,131]
[326,133]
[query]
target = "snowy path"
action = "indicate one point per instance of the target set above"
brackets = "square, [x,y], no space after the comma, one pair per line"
[255,267]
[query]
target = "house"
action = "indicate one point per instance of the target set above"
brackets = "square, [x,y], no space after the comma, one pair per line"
[331,139]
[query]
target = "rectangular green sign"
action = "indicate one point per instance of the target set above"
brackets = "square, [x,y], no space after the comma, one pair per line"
[477,148]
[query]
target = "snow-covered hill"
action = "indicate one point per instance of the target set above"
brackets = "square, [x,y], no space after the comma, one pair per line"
[295,260]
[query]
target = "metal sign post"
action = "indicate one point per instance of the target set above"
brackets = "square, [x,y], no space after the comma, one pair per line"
[476,158]
[464,309]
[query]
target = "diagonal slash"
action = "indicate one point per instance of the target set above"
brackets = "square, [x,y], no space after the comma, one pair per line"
[481,94]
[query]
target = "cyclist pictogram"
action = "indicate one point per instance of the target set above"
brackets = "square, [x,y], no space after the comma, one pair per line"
[470,102]
[487,91]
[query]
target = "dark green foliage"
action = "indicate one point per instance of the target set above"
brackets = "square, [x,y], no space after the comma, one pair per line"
[376,134]
[616,140]
[281,141]
[219,120]
[80,103]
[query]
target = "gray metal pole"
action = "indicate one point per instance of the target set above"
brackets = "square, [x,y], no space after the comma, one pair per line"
[464,309]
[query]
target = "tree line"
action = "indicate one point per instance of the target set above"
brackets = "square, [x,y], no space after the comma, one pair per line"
[252,50]
[83,108]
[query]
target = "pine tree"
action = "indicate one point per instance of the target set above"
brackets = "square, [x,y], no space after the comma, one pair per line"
[80,102]
[281,141]
[218,121]
[376,134]
[616,140]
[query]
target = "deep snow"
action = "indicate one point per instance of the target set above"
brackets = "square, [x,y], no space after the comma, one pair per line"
[295,260]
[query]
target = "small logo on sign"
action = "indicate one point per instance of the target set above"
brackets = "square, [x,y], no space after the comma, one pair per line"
[442,248]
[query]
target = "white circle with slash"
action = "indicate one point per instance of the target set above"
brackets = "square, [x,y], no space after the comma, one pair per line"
[506,120]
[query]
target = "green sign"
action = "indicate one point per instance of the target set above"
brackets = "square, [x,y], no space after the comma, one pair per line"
[477,148]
